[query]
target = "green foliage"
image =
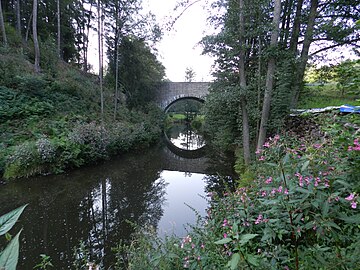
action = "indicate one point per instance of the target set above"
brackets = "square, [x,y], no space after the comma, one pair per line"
[299,212]
[45,262]
[332,85]
[51,122]
[10,255]
[139,71]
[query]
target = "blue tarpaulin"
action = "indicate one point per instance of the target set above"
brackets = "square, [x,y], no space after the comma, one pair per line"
[349,109]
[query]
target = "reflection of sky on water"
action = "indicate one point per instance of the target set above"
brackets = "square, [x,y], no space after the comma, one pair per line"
[182,136]
[182,189]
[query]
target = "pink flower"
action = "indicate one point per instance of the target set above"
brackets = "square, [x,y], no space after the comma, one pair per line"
[262,158]
[350,197]
[300,179]
[259,219]
[225,223]
[353,204]
[317,146]
[267,144]
[277,137]
[225,235]
[269,180]
[286,192]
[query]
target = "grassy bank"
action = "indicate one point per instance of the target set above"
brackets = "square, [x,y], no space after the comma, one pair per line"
[300,211]
[51,121]
[324,95]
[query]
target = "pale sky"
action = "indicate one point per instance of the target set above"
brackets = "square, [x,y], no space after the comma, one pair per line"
[178,48]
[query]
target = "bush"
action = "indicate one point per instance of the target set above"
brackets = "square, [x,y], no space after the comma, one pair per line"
[299,212]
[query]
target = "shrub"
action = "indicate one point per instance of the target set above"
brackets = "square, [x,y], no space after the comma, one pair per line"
[299,212]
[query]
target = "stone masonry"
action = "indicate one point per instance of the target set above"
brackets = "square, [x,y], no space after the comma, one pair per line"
[170,92]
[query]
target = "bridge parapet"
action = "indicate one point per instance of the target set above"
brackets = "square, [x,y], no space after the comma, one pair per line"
[169,92]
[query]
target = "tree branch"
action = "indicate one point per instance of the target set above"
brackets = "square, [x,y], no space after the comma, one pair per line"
[335,45]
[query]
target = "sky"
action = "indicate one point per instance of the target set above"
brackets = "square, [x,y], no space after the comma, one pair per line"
[179,48]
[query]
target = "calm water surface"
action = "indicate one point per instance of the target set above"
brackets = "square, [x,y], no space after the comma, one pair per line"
[93,204]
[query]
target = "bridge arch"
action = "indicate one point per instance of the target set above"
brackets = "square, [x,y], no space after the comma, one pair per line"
[170,92]
[176,99]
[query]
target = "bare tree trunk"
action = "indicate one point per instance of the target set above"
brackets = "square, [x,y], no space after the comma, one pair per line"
[86,38]
[28,27]
[58,29]
[296,28]
[269,76]
[100,43]
[242,78]
[117,38]
[18,17]
[2,26]
[35,37]
[305,52]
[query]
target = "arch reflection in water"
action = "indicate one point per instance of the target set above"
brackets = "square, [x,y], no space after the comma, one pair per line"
[183,136]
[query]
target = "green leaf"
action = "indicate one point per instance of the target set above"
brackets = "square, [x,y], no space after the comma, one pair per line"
[10,255]
[341,182]
[355,219]
[223,241]
[305,165]
[271,164]
[286,159]
[246,238]
[325,208]
[332,224]
[8,220]
[303,190]
[252,259]
[234,260]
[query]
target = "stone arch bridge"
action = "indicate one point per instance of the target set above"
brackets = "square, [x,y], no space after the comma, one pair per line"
[169,92]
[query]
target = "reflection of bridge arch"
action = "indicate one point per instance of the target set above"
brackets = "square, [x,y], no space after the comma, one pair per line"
[183,153]
[170,92]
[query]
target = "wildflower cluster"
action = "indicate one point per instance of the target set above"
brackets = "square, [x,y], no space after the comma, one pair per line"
[46,149]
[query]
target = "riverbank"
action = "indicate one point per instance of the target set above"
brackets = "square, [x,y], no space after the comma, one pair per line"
[51,122]
[300,211]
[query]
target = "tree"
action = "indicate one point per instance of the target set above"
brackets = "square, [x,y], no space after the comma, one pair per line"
[243,86]
[35,37]
[58,28]
[100,48]
[189,74]
[270,75]
[139,71]
[18,17]
[2,25]
[269,60]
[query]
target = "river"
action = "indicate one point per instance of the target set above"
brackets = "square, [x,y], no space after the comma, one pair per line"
[152,187]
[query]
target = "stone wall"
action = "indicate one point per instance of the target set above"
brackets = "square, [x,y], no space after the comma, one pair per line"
[168,92]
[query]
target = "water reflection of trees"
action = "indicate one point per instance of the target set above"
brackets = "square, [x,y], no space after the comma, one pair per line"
[91,205]
[224,177]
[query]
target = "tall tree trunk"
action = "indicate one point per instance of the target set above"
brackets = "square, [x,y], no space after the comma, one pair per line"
[305,52]
[86,39]
[100,43]
[28,28]
[296,27]
[2,26]
[58,29]
[117,37]
[35,37]
[18,17]
[242,81]
[269,76]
